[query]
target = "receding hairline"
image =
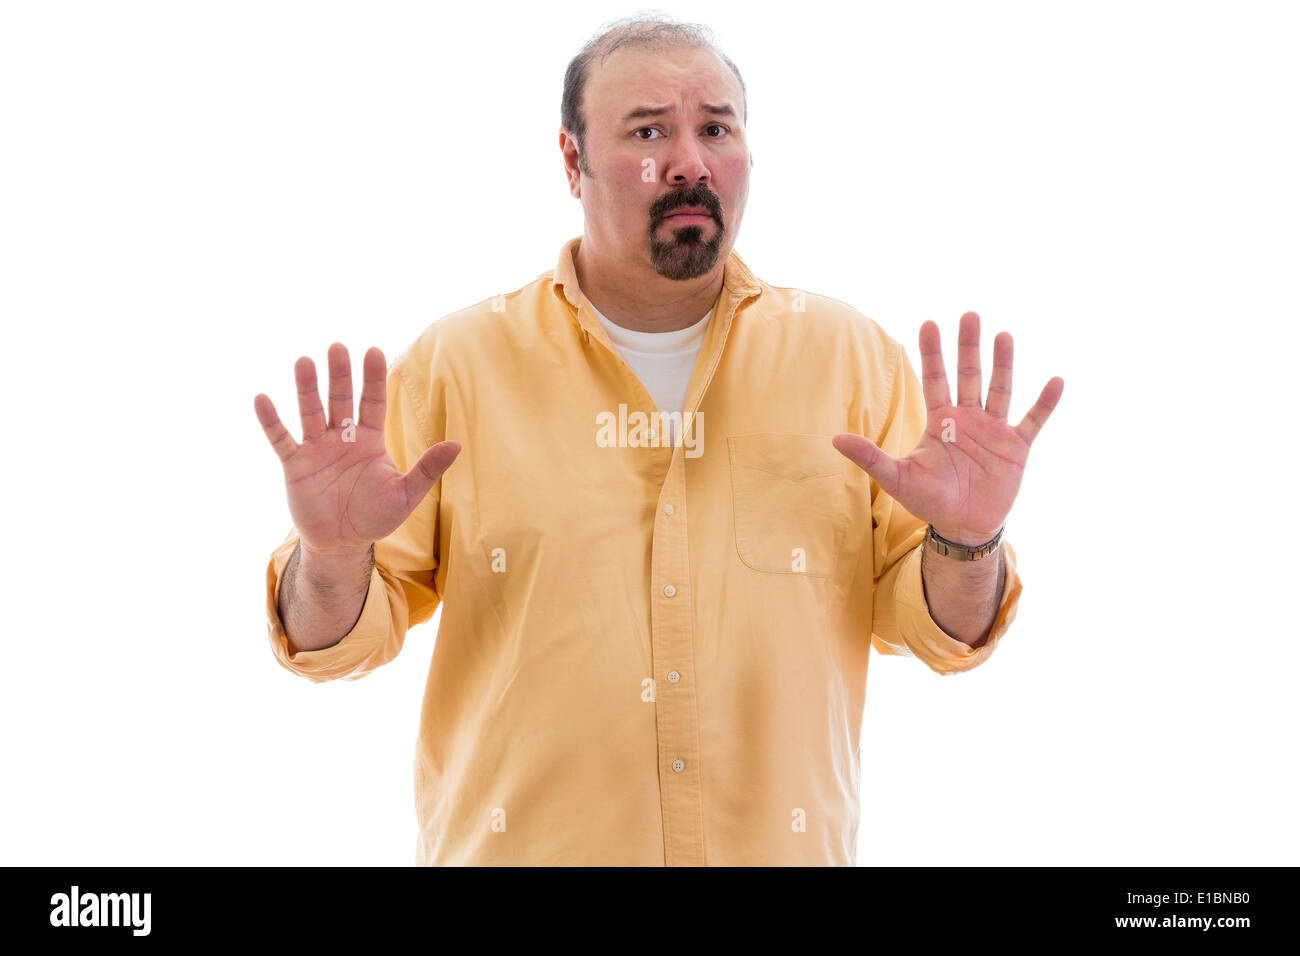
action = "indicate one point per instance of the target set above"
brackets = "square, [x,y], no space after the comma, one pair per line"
[634,32]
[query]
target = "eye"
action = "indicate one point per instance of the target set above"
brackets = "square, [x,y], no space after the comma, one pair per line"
[716,126]
[644,129]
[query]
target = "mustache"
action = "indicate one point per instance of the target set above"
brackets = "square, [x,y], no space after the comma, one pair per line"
[700,196]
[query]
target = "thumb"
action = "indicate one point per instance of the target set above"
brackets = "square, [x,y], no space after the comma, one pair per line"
[864,453]
[426,472]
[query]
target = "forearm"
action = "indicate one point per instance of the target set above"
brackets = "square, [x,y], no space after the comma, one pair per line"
[963,596]
[321,596]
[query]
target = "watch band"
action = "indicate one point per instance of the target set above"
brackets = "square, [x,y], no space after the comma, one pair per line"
[962,552]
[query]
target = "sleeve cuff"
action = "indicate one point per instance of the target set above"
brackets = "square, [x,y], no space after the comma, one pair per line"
[927,640]
[340,660]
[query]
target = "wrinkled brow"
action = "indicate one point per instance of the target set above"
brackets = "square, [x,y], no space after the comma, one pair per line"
[650,112]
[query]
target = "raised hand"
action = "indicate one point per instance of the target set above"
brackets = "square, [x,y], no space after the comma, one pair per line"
[965,472]
[344,491]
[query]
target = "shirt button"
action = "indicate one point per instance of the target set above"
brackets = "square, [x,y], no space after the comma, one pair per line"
[669,590]
[678,766]
[674,677]
[668,508]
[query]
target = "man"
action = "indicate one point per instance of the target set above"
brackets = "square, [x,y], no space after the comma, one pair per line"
[684,505]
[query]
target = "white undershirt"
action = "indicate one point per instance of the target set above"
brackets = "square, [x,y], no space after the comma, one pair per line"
[663,361]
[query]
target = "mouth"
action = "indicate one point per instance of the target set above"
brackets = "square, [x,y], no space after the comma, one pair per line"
[689,215]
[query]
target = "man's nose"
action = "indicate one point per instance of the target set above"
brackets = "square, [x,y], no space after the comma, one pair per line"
[687,164]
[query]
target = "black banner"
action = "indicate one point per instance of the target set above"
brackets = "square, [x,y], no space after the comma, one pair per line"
[1175,905]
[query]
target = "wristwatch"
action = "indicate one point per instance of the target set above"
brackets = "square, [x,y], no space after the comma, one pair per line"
[962,552]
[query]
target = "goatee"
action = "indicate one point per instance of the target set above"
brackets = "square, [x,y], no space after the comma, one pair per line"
[686,255]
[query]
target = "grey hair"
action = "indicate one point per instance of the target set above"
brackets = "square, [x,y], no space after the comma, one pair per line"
[643,29]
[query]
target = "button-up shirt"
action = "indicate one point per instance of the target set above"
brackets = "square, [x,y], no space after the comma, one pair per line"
[648,654]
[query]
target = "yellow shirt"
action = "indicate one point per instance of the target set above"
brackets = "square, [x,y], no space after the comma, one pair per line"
[648,655]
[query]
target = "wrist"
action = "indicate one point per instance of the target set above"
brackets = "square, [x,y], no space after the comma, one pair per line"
[934,541]
[330,565]
[342,552]
[966,537]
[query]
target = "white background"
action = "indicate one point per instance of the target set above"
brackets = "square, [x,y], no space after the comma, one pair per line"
[194,194]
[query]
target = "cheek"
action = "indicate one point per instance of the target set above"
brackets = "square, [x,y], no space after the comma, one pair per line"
[630,196]
[735,172]
[630,175]
[640,169]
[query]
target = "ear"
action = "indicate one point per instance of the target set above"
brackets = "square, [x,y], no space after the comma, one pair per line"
[570,153]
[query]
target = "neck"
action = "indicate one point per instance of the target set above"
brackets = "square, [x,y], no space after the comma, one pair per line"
[625,295]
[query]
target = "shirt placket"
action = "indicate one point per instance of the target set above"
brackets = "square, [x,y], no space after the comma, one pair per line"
[672,639]
[672,636]
[672,652]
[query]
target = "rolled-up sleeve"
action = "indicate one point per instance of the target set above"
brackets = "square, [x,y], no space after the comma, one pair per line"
[402,590]
[900,621]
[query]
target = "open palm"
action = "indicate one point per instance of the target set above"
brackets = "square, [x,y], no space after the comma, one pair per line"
[344,491]
[964,473]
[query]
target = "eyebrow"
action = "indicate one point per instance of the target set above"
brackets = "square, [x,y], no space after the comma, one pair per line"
[648,112]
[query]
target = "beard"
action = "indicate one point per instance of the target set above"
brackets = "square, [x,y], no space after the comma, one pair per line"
[686,255]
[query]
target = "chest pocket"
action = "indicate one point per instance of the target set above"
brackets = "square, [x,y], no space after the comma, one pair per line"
[789,502]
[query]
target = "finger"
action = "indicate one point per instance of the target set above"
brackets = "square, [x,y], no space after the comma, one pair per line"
[370,411]
[340,385]
[1036,417]
[428,470]
[999,400]
[864,453]
[276,433]
[934,379]
[968,361]
[309,406]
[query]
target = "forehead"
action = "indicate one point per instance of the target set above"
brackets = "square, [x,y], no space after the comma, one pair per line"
[654,76]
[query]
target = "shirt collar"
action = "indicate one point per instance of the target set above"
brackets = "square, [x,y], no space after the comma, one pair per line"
[737,283]
[654,343]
